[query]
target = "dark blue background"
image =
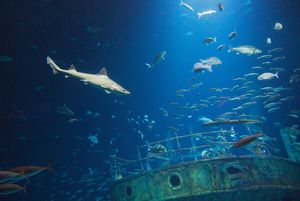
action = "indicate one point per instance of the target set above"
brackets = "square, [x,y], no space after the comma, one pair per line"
[128,34]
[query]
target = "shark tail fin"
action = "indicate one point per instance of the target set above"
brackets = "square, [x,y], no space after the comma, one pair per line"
[215,39]
[199,15]
[276,75]
[181,3]
[148,65]
[52,65]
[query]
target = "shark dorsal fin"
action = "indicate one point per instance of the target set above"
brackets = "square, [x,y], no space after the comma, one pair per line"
[103,72]
[72,67]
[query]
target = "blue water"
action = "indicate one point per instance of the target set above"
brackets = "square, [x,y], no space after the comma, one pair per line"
[122,36]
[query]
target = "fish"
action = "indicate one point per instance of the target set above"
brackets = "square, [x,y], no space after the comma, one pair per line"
[274,109]
[270,105]
[157,59]
[208,12]
[276,59]
[245,49]
[295,78]
[220,47]
[257,67]
[221,7]
[269,41]
[278,26]
[7,189]
[250,74]
[173,129]
[267,76]
[186,6]
[266,56]
[296,70]
[267,63]
[209,40]
[293,115]
[73,120]
[277,49]
[277,69]
[29,170]
[7,176]
[5,59]
[100,80]
[211,61]
[200,67]
[239,79]
[232,35]
[204,119]
[246,140]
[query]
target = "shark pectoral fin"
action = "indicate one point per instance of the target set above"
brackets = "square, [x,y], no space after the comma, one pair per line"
[66,76]
[108,92]
[103,72]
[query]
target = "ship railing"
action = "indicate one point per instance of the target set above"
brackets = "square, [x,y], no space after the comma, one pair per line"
[178,149]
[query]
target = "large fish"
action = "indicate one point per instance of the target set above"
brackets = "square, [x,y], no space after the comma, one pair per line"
[246,140]
[7,189]
[100,80]
[245,49]
[7,176]
[29,170]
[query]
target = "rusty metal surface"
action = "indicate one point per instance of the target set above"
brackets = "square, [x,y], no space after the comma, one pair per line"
[216,179]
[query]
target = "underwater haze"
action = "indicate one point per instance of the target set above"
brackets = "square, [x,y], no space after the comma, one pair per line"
[143,71]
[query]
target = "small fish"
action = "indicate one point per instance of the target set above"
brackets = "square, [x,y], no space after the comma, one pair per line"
[274,109]
[209,12]
[294,78]
[158,58]
[277,69]
[266,63]
[173,129]
[239,79]
[293,115]
[246,140]
[276,59]
[209,40]
[186,6]
[5,59]
[266,56]
[220,47]
[251,74]
[269,41]
[232,35]
[221,7]
[257,67]
[278,26]
[73,120]
[267,76]
[278,49]
[296,70]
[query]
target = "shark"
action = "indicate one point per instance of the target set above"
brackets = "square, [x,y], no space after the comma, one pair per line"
[99,80]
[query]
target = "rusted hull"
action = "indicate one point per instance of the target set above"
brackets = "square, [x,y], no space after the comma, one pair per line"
[238,179]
